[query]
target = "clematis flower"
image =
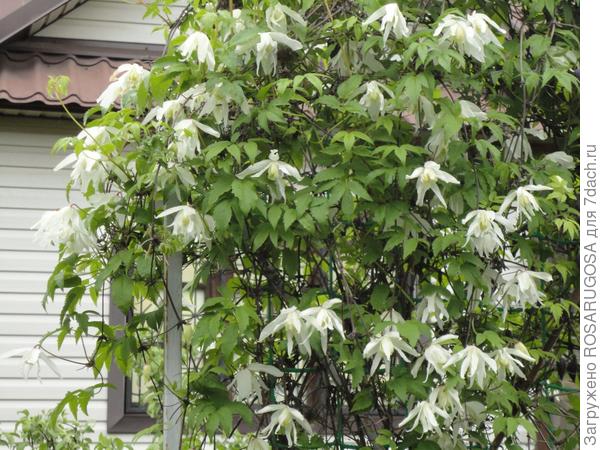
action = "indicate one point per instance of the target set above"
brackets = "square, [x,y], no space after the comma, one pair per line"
[393,316]
[523,201]
[517,148]
[217,103]
[276,18]
[65,227]
[187,141]
[561,159]
[189,225]
[431,309]
[446,398]
[322,319]
[94,136]
[423,413]
[519,284]
[247,381]
[170,110]
[258,443]
[296,329]
[484,232]
[285,419]
[427,178]
[267,47]
[483,25]
[474,363]
[373,100]
[506,359]
[383,347]
[199,43]
[435,355]
[392,21]
[276,171]
[127,78]
[470,110]
[89,168]
[32,357]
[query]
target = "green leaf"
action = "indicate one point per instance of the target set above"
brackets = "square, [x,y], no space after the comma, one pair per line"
[121,293]
[222,215]
[362,401]
[349,87]
[245,193]
[410,245]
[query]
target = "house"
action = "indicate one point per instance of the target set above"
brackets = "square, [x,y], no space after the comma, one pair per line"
[86,40]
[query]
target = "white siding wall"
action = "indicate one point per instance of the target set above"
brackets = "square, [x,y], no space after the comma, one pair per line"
[28,187]
[109,20]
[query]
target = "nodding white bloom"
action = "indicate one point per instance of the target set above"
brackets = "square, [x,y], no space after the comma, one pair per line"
[523,201]
[90,168]
[323,319]
[469,35]
[519,284]
[383,347]
[483,25]
[431,309]
[248,383]
[506,359]
[94,136]
[517,147]
[484,232]
[285,419]
[393,316]
[171,111]
[435,355]
[474,362]
[373,99]
[276,171]
[276,17]
[446,398]
[561,159]
[65,227]
[427,178]
[296,329]
[470,110]
[267,47]
[353,57]
[423,413]
[258,443]
[32,357]
[126,78]
[217,102]
[392,21]
[187,140]
[189,225]
[200,43]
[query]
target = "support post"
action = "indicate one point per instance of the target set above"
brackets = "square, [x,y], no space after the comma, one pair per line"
[172,411]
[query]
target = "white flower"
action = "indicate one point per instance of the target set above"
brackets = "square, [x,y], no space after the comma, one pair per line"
[423,413]
[561,159]
[94,136]
[483,25]
[267,47]
[431,309]
[64,226]
[383,347]
[507,362]
[523,201]
[323,319]
[517,148]
[200,43]
[189,225]
[427,178]
[32,357]
[248,383]
[285,418]
[373,99]
[392,21]
[474,362]
[258,443]
[296,329]
[170,110]
[276,17]
[187,141]
[446,398]
[393,316]
[470,110]
[519,284]
[484,232]
[217,102]
[435,355]
[276,171]
[125,79]
[89,168]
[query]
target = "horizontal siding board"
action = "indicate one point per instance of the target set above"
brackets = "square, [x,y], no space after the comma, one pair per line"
[19,219]
[33,178]
[31,283]
[69,349]
[96,30]
[32,389]
[44,200]
[29,157]
[27,261]
[31,304]
[12,369]
[21,240]
[9,409]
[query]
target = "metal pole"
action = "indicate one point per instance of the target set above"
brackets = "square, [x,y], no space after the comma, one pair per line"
[172,412]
